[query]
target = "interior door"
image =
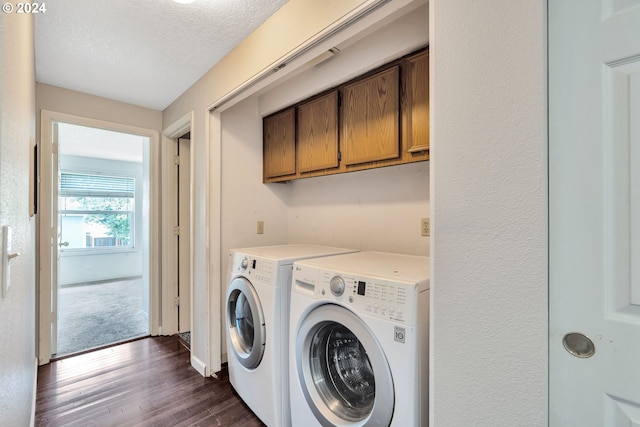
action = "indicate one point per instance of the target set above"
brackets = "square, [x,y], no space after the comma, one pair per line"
[184,240]
[594,208]
[56,240]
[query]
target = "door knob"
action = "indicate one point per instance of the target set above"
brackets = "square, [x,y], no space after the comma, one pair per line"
[578,345]
[63,244]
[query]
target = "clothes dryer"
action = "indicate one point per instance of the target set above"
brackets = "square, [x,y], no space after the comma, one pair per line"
[257,322]
[359,341]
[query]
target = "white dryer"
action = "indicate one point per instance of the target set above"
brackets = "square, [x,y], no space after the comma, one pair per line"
[257,323]
[359,341]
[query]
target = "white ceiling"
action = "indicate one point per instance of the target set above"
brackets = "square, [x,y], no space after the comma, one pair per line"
[143,52]
[83,141]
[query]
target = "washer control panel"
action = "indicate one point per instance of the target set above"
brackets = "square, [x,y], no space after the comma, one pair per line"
[380,298]
[254,268]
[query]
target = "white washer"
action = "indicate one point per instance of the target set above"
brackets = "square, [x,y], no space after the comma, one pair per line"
[257,322]
[359,341]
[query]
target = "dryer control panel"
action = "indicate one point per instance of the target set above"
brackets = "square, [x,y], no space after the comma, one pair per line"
[384,299]
[255,268]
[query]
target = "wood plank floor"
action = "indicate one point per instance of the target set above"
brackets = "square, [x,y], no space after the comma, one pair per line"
[148,382]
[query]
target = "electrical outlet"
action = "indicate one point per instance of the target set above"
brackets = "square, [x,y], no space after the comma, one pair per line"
[425,227]
[260,227]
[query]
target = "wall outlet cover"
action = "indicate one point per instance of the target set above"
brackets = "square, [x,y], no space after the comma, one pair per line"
[425,227]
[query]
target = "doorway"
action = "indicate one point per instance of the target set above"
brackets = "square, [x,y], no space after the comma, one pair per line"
[97,205]
[102,296]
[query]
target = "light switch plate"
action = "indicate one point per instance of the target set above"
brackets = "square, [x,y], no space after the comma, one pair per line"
[5,248]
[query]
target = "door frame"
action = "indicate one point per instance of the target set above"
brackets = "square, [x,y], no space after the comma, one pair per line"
[169,249]
[46,221]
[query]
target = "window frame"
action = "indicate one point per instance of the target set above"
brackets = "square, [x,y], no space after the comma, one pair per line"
[96,250]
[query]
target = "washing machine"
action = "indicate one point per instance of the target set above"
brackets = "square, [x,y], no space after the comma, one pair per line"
[257,324]
[359,341]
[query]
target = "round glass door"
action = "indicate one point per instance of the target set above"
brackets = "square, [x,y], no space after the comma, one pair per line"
[342,368]
[245,323]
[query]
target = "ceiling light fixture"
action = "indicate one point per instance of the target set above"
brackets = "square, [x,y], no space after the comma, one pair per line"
[184,1]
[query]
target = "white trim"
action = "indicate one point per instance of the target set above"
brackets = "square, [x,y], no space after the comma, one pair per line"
[180,126]
[34,393]
[169,250]
[46,220]
[198,365]
[214,230]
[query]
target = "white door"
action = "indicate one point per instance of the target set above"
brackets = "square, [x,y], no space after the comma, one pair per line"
[594,208]
[184,241]
[55,240]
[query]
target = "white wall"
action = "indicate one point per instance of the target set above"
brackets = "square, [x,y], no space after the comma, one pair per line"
[17,137]
[489,213]
[375,210]
[245,199]
[66,101]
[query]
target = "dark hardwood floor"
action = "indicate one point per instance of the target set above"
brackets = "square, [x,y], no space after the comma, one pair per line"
[148,382]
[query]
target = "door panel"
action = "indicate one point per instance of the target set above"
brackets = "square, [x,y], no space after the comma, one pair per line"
[317,126]
[55,238]
[370,114]
[594,208]
[184,239]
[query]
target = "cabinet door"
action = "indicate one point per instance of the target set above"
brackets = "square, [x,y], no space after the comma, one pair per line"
[279,144]
[318,133]
[417,103]
[370,120]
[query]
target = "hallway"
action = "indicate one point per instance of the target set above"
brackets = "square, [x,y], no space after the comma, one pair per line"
[148,382]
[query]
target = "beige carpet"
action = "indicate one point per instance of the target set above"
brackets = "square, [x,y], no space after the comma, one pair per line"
[94,315]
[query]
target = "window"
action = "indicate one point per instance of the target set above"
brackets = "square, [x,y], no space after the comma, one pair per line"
[96,211]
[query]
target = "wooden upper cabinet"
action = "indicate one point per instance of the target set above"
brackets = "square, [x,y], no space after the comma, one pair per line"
[375,120]
[317,124]
[416,103]
[370,118]
[279,139]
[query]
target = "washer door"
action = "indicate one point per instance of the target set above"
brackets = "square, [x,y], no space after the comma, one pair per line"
[343,371]
[245,323]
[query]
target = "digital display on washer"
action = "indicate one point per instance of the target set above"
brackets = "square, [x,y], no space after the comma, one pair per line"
[361,287]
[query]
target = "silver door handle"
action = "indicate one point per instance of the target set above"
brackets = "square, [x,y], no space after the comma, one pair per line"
[63,244]
[578,345]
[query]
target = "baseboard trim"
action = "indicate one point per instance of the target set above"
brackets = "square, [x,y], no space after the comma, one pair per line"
[198,365]
[32,423]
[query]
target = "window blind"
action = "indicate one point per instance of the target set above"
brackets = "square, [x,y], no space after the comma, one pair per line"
[84,185]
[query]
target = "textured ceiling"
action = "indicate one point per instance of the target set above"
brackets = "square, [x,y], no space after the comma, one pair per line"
[144,52]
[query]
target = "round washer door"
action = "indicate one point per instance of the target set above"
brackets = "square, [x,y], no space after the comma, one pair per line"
[245,323]
[344,374]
